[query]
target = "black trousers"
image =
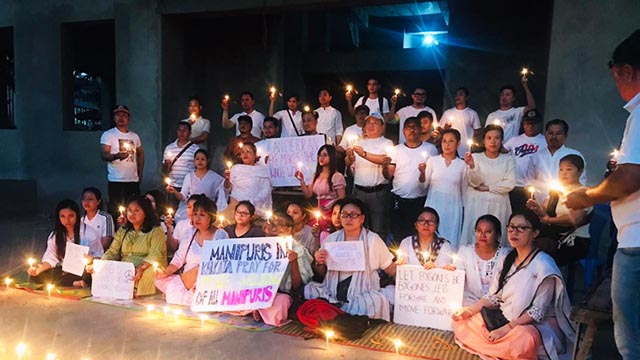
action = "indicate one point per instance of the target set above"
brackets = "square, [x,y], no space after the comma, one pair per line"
[119,193]
[403,214]
[59,278]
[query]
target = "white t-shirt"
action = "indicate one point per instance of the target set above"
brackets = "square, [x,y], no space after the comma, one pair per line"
[347,141]
[367,173]
[183,165]
[523,148]
[465,121]
[125,170]
[626,213]
[285,122]
[409,111]
[407,160]
[102,223]
[374,105]
[199,126]
[329,122]
[183,231]
[510,121]
[88,237]
[257,118]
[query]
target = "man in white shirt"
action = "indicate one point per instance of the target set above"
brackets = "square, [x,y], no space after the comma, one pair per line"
[178,157]
[329,118]
[290,118]
[419,97]
[353,133]
[507,116]
[247,103]
[462,118]
[622,189]
[200,127]
[407,194]
[523,148]
[122,150]
[269,131]
[376,103]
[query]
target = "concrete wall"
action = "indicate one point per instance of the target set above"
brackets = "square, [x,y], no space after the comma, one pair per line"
[580,88]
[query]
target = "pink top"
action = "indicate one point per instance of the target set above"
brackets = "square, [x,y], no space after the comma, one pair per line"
[320,187]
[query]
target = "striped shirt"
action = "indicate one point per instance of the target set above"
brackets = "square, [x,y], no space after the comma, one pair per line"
[183,165]
[102,223]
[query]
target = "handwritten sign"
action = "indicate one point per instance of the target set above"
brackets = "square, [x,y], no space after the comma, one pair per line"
[73,258]
[345,255]
[240,274]
[112,279]
[285,154]
[427,298]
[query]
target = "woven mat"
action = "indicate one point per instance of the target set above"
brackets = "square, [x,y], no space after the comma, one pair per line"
[417,341]
[21,281]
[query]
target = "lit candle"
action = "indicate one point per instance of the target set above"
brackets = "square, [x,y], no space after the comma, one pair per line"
[31,262]
[300,165]
[615,154]
[221,217]
[269,214]
[121,209]
[454,307]
[150,309]
[170,211]
[273,91]
[155,266]
[192,117]
[229,165]
[353,139]
[226,97]
[21,348]
[203,318]
[49,288]
[397,343]
[318,215]
[424,156]
[349,88]
[240,145]
[329,334]
[51,356]
[454,258]
[470,144]
[497,122]
[396,92]
[524,72]
[177,313]
[532,191]
[426,256]
[167,181]
[166,310]
[8,281]
[127,147]
[307,108]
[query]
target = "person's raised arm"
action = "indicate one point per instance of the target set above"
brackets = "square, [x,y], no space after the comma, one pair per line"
[226,123]
[623,181]
[531,103]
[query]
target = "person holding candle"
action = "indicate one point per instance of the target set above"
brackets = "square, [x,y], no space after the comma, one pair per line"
[302,232]
[354,132]
[141,242]
[67,227]
[508,117]
[178,232]
[329,118]
[178,157]
[247,103]
[335,222]
[426,248]
[180,288]
[462,118]
[290,118]
[245,124]
[419,98]
[270,130]
[248,181]
[446,177]
[244,227]
[200,127]
[530,295]
[428,130]
[358,292]
[491,176]
[377,104]
[101,221]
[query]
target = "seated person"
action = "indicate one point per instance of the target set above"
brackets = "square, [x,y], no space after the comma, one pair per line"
[244,227]
[302,232]
[183,229]
[426,248]
[245,124]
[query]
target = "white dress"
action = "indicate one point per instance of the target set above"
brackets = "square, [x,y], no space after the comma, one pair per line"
[211,185]
[500,176]
[443,257]
[447,187]
[478,273]
[252,183]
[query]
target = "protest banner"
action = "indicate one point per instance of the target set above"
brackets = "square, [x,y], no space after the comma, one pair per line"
[112,279]
[287,155]
[427,298]
[240,274]
[73,262]
[345,255]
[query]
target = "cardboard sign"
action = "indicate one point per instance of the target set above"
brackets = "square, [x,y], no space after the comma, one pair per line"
[240,274]
[427,298]
[286,154]
[345,255]
[73,258]
[112,279]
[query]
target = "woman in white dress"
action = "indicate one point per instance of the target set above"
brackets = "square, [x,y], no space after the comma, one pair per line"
[491,175]
[446,176]
[249,181]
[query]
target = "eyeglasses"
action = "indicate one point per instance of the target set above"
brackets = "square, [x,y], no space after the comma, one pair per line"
[420,94]
[425,222]
[517,229]
[485,233]
[350,215]
[243,213]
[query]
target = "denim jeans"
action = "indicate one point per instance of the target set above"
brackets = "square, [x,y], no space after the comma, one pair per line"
[626,302]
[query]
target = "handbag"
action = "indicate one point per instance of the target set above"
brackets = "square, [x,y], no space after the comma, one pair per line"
[493,318]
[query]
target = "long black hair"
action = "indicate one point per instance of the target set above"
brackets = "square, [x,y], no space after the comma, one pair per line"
[150,217]
[510,259]
[60,231]
[96,193]
[333,164]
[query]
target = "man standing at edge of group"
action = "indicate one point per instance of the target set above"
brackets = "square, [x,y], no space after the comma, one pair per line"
[247,103]
[622,189]
[508,117]
[200,127]
[419,97]
[463,119]
[122,150]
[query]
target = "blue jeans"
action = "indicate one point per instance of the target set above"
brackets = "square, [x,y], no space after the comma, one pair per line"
[626,302]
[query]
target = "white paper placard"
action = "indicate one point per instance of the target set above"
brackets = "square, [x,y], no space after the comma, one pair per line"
[427,298]
[73,258]
[285,154]
[112,279]
[240,274]
[345,255]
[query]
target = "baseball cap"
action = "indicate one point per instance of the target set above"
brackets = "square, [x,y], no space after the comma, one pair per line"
[533,116]
[121,108]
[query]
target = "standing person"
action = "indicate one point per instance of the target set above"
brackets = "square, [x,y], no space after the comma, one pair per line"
[507,116]
[402,167]
[462,118]
[622,188]
[446,177]
[428,133]
[419,97]
[245,124]
[99,220]
[329,118]
[247,103]
[270,127]
[178,157]
[354,132]
[290,118]
[310,125]
[200,127]
[122,150]
[523,148]
[491,175]
[377,104]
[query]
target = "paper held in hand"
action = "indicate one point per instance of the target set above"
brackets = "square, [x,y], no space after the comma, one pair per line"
[73,258]
[345,255]
[112,279]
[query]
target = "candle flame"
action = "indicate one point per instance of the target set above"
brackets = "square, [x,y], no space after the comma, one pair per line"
[21,348]
[424,155]
[240,145]
[615,153]
[524,71]
[167,181]
[269,214]
[557,186]
[8,281]
[396,91]
[273,90]
[531,189]
[170,211]
[121,209]
[300,164]
[317,214]
[31,262]
[151,308]
[454,258]
[229,164]
[329,334]
[470,142]
[349,88]
[426,255]
[497,122]
[397,343]
[307,108]
[435,125]
[226,97]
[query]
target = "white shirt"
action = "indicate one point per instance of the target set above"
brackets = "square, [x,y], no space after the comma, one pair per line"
[329,122]
[626,213]
[125,170]
[465,121]
[199,126]
[102,223]
[374,105]
[510,121]
[367,173]
[183,165]
[347,141]
[407,160]
[183,231]
[523,148]
[409,111]
[88,237]
[257,118]
[543,169]
[285,122]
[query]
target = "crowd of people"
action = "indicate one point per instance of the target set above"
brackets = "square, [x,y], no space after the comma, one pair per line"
[494,196]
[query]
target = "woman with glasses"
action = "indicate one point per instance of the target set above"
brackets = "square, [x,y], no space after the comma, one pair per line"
[426,248]
[244,227]
[480,260]
[491,175]
[526,312]
[355,292]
